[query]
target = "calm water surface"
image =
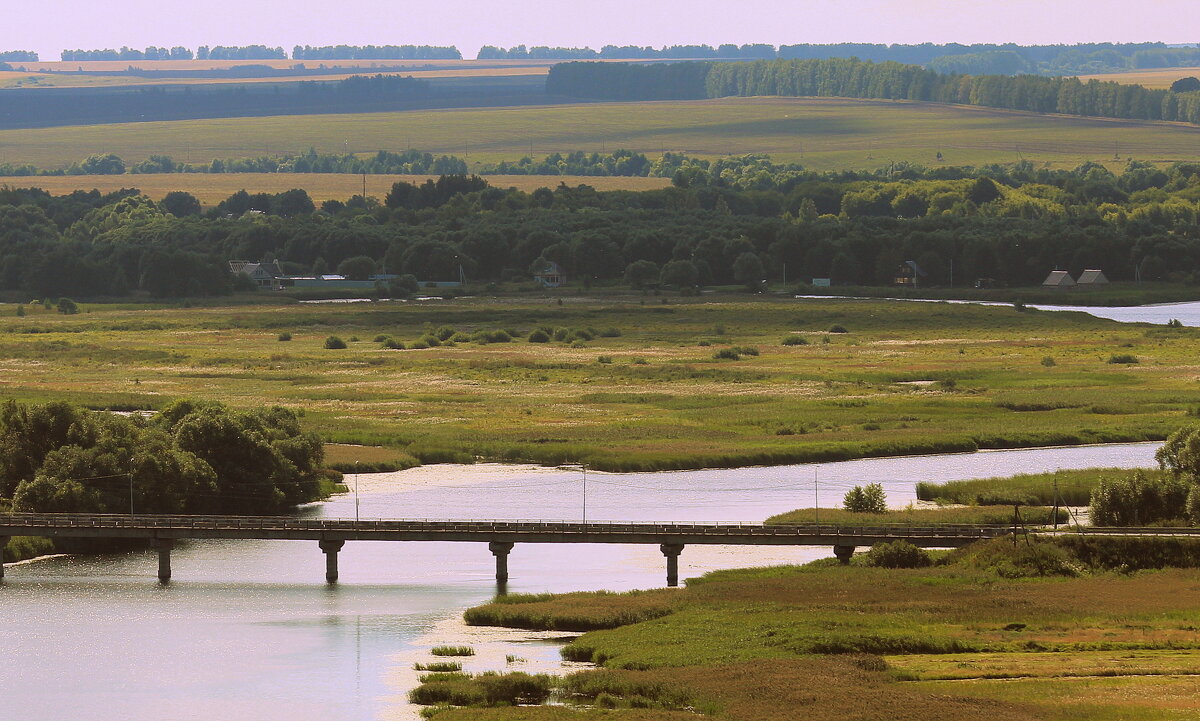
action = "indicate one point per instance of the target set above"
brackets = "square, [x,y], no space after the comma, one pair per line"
[249,630]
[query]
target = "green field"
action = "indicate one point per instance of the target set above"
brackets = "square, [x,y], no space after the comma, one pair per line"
[645,392]
[966,638]
[820,133]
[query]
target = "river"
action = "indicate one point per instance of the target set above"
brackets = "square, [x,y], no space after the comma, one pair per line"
[248,629]
[1159,313]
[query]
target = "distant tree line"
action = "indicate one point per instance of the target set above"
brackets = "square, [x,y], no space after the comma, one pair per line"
[376,52]
[18,56]
[851,78]
[247,52]
[977,59]
[150,53]
[189,458]
[724,224]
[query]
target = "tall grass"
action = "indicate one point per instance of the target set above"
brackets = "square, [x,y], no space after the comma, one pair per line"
[1074,488]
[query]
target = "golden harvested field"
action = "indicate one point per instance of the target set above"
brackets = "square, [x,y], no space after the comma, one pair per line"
[1155,78]
[14,79]
[212,189]
[820,133]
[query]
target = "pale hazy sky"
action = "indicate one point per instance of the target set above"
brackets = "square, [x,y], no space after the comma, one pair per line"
[48,26]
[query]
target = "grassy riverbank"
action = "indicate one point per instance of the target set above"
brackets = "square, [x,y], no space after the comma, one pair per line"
[857,642]
[637,384]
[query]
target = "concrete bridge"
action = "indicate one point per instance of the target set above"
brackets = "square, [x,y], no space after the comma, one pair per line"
[331,534]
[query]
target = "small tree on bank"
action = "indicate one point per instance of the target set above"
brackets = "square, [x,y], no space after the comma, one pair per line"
[866,499]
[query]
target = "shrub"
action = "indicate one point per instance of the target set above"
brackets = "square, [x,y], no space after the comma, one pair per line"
[835,328]
[499,336]
[865,499]
[539,336]
[20,311]
[1027,558]
[392,344]
[430,340]
[704,344]
[610,333]
[284,337]
[898,554]
[1122,358]
[746,350]
[334,343]
[1138,500]
[795,340]
[1048,362]
[418,345]
[560,334]
[1174,323]
[444,333]
[581,334]
[379,338]
[604,359]
[353,339]
[726,354]
[66,306]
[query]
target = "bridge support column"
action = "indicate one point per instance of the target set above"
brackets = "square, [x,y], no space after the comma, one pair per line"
[164,546]
[330,549]
[500,550]
[843,553]
[672,551]
[3,543]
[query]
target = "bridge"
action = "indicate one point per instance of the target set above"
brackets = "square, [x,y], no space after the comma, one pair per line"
[332,534]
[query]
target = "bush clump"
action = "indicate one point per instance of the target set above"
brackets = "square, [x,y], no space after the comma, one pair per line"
[539,336]
[898,554]
[334,343]
[794,340]
[485,689]
[726,354]
[1122,358]
[835,328]
[1139,500]
[284,337]
[392,344]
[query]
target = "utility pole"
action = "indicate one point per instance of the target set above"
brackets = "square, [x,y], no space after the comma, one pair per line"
[356,491]
[131,485]
[583,467]
[816,499]
[1056,505]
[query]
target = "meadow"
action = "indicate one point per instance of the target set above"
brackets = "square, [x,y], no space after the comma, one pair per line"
[821,134]
[635,384]
[212,189]
[961,639]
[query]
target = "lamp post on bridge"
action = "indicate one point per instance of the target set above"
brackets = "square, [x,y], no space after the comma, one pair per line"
[356,491]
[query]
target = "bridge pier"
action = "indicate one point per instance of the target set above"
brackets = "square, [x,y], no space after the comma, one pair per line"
[843,553]
[3,543]
[164,546]
[330,549]
[500,550]
[672,551]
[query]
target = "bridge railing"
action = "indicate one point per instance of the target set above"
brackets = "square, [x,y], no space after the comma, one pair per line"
[284,523]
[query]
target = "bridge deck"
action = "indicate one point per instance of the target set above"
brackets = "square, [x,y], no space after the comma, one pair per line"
[274,527]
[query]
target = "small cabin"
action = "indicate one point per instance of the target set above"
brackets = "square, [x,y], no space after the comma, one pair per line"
[550,276]
[909,273]
[1058,279]
[1092,277]
[264,275]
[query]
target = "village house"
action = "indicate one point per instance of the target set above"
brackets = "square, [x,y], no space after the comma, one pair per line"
[551,275]
[1058,279]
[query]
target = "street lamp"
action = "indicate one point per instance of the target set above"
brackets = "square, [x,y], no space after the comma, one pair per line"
[356,491]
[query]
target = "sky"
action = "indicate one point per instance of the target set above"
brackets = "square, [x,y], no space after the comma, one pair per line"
[49,26]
